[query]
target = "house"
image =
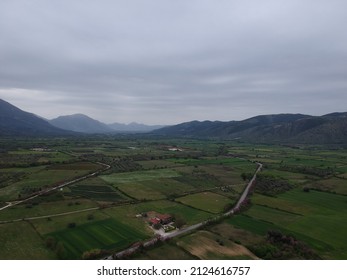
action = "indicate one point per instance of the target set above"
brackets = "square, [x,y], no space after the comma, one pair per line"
[165,218]
[154,221]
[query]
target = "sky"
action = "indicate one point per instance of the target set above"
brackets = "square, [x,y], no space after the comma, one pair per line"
[167,62]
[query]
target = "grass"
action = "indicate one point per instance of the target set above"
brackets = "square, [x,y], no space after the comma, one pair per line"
[98,193]
[45,226]
[43,209]
[47,177]
[281,204]
[293,177]
[237,234]
[207,201]
[261,227]
[105,234]
[155,189]
[317,217]
[215,160]
[153,164]
[29,156]
[227,175]
[272,215]
[333,184]
[19,241]
[251,224]
[322,218]
[128,177]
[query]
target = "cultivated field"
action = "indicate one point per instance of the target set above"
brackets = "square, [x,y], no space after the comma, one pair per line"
[297,208]
[105,234]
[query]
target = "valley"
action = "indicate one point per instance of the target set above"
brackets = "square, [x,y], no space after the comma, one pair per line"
[89,197]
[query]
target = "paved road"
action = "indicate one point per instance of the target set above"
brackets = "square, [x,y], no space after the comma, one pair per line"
[246,191]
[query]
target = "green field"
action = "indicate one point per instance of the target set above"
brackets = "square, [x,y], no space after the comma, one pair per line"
[207,201]
[120,178]
[45,226]
[46,208]
[320,216]
[105,234]
[155,189]
[154,164]
[19,241]
[52,175]
[334,185]
[193,185]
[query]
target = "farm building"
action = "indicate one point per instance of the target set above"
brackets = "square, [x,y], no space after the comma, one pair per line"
[164,218]
[154,218]
[155,221]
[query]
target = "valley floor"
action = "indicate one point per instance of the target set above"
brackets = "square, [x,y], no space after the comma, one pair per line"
[84,199]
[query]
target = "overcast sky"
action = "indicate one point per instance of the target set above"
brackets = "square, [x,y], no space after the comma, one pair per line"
[170,61]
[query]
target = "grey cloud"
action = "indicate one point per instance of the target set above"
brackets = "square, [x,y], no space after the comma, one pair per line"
[160,61]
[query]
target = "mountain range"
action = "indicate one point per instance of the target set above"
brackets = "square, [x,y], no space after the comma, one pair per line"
[280,128]
[14,121]
[80,123]
[85,124]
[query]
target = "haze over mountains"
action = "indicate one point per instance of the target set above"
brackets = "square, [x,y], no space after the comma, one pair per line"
[14,121]
[280,128]
[80,123]
[85,124]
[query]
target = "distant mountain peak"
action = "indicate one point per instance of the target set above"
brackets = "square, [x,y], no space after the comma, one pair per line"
[16,122]
[80,123]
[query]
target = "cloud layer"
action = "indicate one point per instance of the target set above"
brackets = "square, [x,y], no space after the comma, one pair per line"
[165,62]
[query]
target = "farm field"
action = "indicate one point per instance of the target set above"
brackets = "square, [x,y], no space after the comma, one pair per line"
[119,178]
[155,189]
[18,246]
[50,176]
[206,245]
[105,234]
[206,201]
[165,252]
[315,217]
[45,208]
[191,180]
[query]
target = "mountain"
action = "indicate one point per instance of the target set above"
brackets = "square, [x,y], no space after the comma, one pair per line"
[134,127]
[15,122]
[284,128]
[80,123]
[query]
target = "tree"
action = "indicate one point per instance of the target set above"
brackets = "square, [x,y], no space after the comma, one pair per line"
[157,226]
[179,221]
